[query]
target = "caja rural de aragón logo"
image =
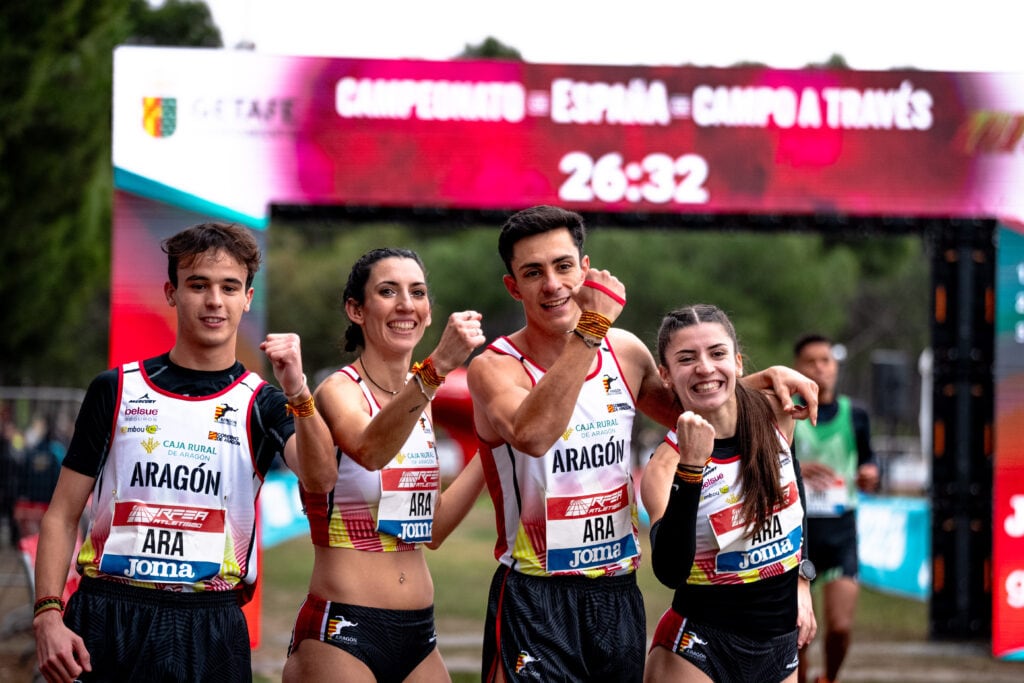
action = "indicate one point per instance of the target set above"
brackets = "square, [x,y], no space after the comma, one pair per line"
[159,115]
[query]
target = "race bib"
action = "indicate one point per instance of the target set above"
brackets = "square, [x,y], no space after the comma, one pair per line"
[150,542]
[408,496]
[832,501]
[588,531]
[778,540]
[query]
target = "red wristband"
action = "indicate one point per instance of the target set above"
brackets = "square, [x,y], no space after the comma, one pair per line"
[601,288]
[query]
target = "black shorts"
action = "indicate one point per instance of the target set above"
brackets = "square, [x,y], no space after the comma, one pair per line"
[142,634]
[564,628]
[727,657]
[832,546]
[390,642]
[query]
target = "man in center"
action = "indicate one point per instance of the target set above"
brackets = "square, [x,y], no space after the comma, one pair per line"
[554,404]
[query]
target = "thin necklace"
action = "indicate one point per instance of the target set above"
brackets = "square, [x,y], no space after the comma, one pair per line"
[373,382]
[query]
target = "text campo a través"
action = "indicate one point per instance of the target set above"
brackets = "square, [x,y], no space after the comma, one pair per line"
[902,108]
[637,101]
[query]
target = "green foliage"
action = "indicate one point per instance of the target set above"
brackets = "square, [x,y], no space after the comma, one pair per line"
[308,265]
[490,48]
[836,61]
[54,175]
[175,22]
[56,69]
[868,293]
[771,285]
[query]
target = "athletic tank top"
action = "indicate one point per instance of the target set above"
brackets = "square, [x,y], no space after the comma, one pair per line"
[384,511]
[174,504]
[573,510]
[725,554]
[830,443]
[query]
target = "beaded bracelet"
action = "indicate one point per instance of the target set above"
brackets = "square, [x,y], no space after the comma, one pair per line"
[305,409]
[428,373]
[47,603]
[690,477]
[422,385]
[593,324]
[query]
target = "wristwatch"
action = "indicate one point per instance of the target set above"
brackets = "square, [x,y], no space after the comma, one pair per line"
[806,570]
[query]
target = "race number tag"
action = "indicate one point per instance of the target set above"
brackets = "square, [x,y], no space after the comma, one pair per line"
[408,497]
[832,501]
[164,543]
[588,531]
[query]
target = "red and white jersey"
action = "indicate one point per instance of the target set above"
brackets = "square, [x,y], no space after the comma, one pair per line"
[573,510]
[388,510]
[174,505]
[726,552]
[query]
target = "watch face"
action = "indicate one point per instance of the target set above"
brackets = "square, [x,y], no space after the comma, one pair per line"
[807,570]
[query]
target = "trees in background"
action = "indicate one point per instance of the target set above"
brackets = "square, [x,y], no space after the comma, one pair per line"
[868,292]
[55,198]
[56,62]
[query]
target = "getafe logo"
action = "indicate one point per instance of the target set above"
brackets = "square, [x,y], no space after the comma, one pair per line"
[523,659]
[150,444]
[159,116]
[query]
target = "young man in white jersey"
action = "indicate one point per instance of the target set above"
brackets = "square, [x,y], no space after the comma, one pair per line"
[173,451]
[554,404]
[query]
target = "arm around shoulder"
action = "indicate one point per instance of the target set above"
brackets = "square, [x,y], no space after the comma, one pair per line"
[785,383]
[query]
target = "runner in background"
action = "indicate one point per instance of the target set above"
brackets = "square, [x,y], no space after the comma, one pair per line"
[836,459]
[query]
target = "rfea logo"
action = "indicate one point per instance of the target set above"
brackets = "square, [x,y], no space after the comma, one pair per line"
[159,115]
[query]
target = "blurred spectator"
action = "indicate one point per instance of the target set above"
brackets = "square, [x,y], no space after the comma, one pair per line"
[8,479]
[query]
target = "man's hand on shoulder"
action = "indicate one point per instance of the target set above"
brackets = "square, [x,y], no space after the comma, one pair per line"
[786,383]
